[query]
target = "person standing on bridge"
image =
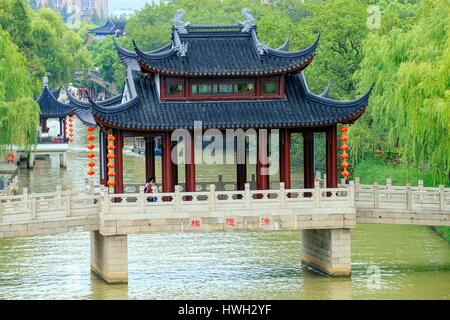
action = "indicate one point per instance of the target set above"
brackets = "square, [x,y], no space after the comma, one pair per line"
[151,187]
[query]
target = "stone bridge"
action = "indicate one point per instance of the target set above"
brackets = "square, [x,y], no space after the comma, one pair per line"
[325,216]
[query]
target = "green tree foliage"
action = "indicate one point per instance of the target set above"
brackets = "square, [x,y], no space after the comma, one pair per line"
[32,45]
[18,111]
[409,107]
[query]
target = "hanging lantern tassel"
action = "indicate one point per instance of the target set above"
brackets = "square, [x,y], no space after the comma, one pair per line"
[344,155]
[71,130]
[91,155]
[110,165]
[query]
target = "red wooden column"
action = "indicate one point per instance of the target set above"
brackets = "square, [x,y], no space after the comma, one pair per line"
[285,157]
[262,165]
[308,160]
[103,152]
[149,158]
[331,162]
[118,161]
[190,164]
[167,167]
[64,130]
[175,165]
[241,167]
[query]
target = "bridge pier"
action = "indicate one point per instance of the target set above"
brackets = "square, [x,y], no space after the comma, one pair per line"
[327,250]
[63,160]
[109,257]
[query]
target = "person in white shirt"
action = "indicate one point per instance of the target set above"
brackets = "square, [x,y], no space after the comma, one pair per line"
[151,187]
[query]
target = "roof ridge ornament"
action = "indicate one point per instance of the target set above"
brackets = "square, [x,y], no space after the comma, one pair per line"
[249,22]
[182,49]
[178,22]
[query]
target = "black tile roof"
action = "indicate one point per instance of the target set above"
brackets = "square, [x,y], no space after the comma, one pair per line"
[300,109]
[50,107]
[214,51]
[82,109]
[110,28]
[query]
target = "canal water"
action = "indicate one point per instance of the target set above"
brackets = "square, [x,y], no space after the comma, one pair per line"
[388,262]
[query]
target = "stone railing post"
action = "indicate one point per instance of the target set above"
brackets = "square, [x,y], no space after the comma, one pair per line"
[441,197]
[421,189]
[58,196]
[408,196]
[177,198]
[33,207]
[247,195]
[351,194]
[324,181]
[141,199]
[68,198]
[282,195]
[388,183]
[105,202]
[376,195]
[317,194]
[357,183]
[212,197]
[342,182]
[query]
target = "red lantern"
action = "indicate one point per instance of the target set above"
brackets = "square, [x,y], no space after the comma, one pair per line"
[111,165]
[344,156]
[91,172]
[90,155]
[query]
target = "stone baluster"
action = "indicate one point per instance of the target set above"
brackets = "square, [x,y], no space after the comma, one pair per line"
[376,195]
[177,198]
[317,194]
[282,195]
[247,195]
[106,200]
[68,198]
[33,207]
[351,194]
[441,197]
[142,199]
[212,197]
[389,184]
[421,190]
[58,197]
[408,196]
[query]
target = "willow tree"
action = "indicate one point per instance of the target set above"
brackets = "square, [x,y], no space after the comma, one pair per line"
[19,113]
[409,109]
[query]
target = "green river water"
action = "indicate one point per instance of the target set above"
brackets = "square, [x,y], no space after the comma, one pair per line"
[388,262]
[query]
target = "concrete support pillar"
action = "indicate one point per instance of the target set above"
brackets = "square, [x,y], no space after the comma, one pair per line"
[327,250]
[63,160]
[109,257]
